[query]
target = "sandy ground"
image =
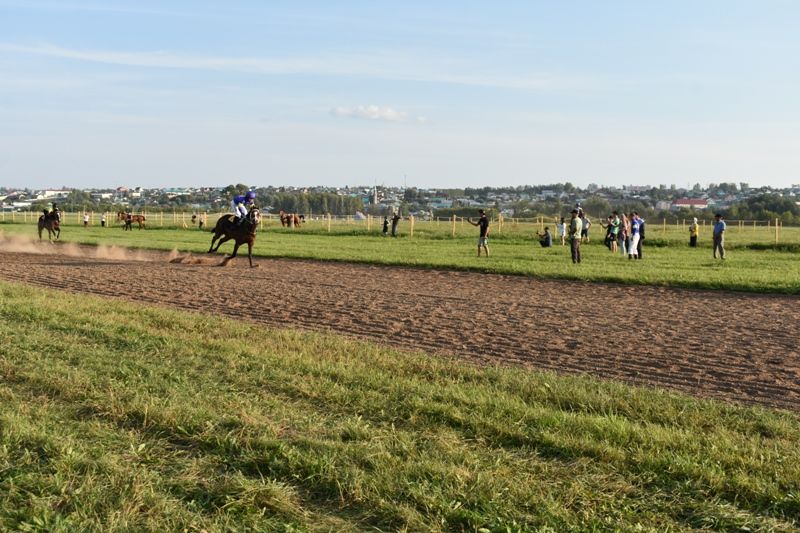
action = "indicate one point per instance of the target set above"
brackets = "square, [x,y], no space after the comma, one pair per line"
[733,346]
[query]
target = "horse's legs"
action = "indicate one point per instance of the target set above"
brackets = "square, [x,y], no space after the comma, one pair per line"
[235,249]
[211,248]
[250,252]
[221,241]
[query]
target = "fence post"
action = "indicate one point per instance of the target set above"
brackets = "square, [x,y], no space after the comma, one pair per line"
[776,231]
[329,222]
[369,222]
[664,226]
[453,234]
[411,218]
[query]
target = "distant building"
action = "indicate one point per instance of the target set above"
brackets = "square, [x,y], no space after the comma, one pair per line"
[689,203]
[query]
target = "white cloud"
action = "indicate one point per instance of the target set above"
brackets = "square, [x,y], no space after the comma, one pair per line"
[386,65]
[371,112]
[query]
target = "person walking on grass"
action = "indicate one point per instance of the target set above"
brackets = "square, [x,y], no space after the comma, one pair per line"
[575,227]
[385,226]
[719,236]
[395,220]
[694,231]
[103,221]
[85,219]
[483,237]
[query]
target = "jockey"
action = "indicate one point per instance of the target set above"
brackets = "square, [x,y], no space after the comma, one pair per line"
[55,212]
[240,203]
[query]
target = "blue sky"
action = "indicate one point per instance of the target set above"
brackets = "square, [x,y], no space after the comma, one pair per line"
[446,94]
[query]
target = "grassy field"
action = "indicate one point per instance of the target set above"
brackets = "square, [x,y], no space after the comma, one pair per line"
[141,420]
[754,263]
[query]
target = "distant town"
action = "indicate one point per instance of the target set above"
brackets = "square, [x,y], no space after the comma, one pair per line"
[735,200]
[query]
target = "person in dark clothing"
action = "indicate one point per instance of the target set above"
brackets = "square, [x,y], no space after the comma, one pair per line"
[385,226]
[395,220]
[483,238]
[545,239]
[641,235]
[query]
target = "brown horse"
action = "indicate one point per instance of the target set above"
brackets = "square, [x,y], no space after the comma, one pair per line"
[139,219]
[244,233]
[291,220]
[50,222]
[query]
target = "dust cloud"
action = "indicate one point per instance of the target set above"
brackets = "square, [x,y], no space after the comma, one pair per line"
[25,245]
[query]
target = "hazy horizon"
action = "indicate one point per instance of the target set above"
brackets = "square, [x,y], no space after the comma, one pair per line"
[444,95]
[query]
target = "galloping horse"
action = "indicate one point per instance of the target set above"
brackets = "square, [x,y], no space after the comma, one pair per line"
[291,219]
[50,222]
[227,229]
[139,219]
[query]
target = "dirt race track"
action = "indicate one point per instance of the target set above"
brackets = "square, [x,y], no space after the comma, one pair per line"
[734,346]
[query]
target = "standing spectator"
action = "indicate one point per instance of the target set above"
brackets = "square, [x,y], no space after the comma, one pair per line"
[624,234]
[545,239]
[611,236]
[575,226]
[641,235]
[562,231]
[633,246]
[615,229]
[585,225]
[85,219]
[103,221]
[385,226]
[694,231]
[719,236]
[483,237]
[395,220]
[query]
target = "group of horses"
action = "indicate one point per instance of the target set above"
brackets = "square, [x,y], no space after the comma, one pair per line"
[228,228]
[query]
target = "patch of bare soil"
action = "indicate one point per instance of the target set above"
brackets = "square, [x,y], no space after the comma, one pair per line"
[732,346]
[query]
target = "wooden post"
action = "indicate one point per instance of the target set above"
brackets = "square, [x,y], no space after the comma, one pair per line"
[776,231]
[369,222]
[754,226]
[664,224]
[453,233]
[329,222]
[411,219]
[12,214]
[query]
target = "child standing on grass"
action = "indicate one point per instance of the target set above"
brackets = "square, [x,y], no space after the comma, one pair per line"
[562,231]
[694,231]
[385,226]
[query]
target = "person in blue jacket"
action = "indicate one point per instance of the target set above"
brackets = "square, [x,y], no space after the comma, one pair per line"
[240,204]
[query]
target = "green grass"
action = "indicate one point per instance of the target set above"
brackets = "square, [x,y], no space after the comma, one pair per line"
[121,417]
[754,263]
